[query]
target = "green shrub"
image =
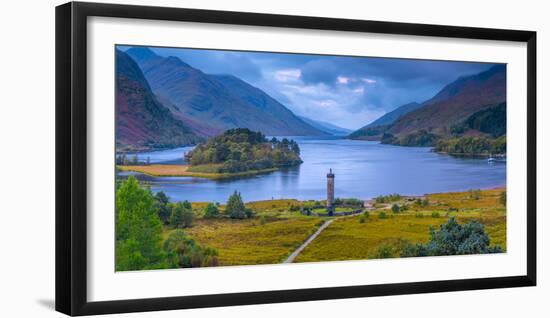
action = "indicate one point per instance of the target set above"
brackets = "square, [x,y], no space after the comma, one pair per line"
[435,215]
[419,215]
[362,219]
[211,211]
[383,251]
[395,208]
[382,215]
[185,252]
[454,239]
[294,208]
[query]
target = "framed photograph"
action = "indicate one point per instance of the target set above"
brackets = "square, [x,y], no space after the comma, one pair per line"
[208,158]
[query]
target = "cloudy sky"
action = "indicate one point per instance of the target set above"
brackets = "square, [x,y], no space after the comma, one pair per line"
[347,91]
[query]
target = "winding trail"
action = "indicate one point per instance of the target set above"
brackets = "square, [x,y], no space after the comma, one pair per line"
[294,254]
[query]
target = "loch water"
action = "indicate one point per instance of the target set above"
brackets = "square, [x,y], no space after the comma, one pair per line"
[363,169]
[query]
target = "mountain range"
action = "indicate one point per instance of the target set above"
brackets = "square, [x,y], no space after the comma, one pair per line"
[142,121]
[451,106]
[210,104]
[327,127]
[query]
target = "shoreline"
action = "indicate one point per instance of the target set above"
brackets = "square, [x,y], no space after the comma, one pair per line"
[160,170]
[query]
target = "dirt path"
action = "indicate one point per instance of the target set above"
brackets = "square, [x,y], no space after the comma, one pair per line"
[294,254]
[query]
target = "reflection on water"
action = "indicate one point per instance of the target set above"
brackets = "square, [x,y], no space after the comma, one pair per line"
[363,170]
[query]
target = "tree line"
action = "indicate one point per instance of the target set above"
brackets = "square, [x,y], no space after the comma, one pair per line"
[241,149]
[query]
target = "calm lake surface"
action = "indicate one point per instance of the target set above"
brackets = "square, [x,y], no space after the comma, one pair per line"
[362,169]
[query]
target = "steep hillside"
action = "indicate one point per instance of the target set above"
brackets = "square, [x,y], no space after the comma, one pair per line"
[142,122]
[221,102]
[377,128]
[455,103]
[391,117]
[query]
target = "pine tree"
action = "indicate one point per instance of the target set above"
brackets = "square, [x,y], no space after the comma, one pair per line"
[235,207]
[138,229]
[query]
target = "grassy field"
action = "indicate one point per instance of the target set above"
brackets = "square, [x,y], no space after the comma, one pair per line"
[278,228]
[349,239]
[268,240]
[187,171]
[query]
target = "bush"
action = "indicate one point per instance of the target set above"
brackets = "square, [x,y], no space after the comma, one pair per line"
[419,215]
[422,202]
[211,211]
[395,208]
[435,215]
[383,251]
[382,215]
[362,219]
[182,215]
[454,239]
[185,252]
[294,208]
[366,214]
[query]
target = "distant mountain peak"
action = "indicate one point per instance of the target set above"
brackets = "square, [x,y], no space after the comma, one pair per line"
[176,61]
[141,53]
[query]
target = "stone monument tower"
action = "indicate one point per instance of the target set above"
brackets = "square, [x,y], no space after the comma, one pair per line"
[330,193]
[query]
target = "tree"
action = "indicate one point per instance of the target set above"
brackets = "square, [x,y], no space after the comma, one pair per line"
[235,207]
[182,216]
[211,211]
[138,229]
[162,206]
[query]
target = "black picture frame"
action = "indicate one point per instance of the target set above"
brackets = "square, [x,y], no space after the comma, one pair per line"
[71,157]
